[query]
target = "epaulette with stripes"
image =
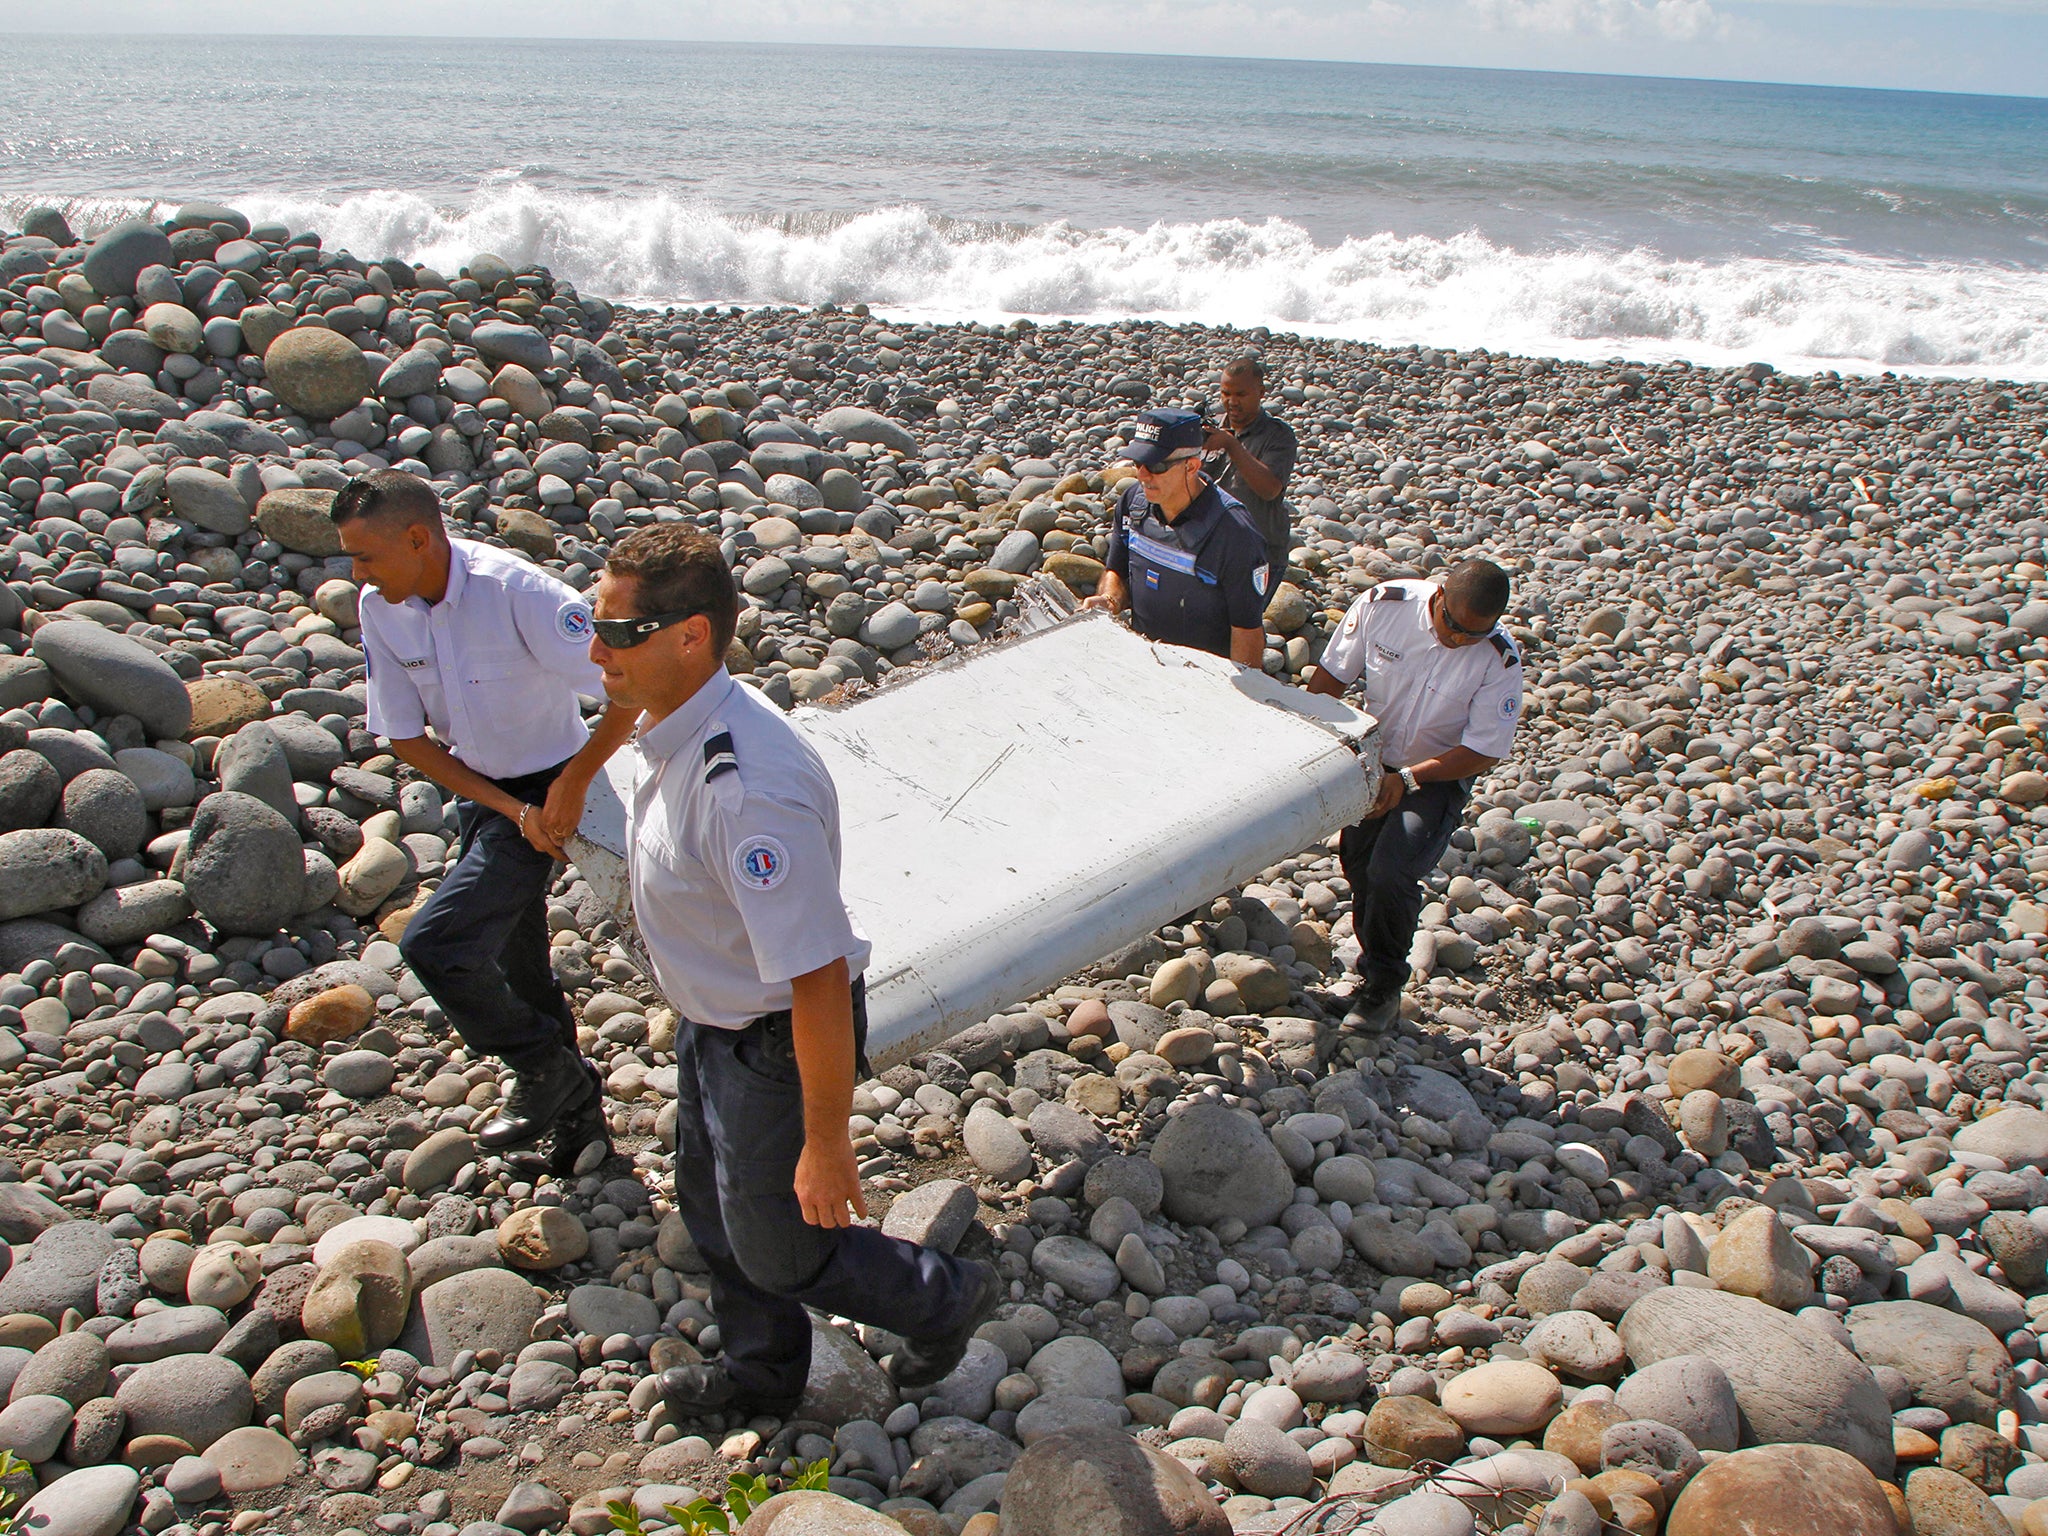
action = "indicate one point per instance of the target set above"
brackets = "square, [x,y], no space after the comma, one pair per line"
[1506,647]
[719,756]
[1387,592]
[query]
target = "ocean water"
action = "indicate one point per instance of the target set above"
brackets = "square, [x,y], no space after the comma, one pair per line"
[1574,215]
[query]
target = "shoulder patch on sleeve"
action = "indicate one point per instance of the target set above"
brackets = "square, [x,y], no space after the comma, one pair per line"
[572,622]
[1388,592]
[760,862]
[719,757]
[1262,575]
[1506,647]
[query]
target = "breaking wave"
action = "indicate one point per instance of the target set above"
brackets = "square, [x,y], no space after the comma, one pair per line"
[1851,313]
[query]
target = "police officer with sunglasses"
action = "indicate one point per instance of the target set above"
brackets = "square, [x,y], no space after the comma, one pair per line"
[733,838]
[1445,683]
[476,658]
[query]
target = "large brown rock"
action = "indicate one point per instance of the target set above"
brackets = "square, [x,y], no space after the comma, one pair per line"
[1783,1490]
[1756,1256]
[1503,1398]
[299,519]
[542,1237]
[222,705]
[335,1014]
[360,1301]
[316,372]
[1575,1433]
[1693,1070]
[1401,1431]
[1944,1503]
[1083,1482]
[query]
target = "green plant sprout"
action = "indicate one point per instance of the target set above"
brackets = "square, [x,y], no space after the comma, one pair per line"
[744,1493]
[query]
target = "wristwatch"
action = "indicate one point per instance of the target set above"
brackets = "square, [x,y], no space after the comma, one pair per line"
[1407,776]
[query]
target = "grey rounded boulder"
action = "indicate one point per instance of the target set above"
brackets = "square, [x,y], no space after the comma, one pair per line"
[208,499]
[863,426]
[1086,1483]
[72,1366]
[128,914]
[1692,1395]
[198,1398]
[115,674]
[103,806]
[1954,1362]
[503,342]
[118,256]
[1217,1162]
[242,867]
[203,215]
[1792,1383]
[47,869]
[62,1271]
[29,788]
[93,1501]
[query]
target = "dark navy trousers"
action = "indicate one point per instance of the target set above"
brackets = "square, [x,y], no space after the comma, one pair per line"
[739,1132]
[480,944]
[1386,862]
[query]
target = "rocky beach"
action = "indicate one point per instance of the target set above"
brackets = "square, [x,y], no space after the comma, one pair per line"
[1702,1189]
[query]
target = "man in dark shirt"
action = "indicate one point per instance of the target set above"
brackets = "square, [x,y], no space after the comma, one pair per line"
[1182,557]
[1254,453]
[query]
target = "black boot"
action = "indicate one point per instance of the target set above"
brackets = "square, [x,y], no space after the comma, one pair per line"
[579,1129]
[1376,1007]
[927,1362]
[704,1391]
[544,1092]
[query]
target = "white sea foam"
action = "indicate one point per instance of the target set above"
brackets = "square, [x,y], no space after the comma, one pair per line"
[1849,313]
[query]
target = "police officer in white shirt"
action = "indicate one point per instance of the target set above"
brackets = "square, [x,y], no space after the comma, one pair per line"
[1445,683]
[733,829]
[488,652]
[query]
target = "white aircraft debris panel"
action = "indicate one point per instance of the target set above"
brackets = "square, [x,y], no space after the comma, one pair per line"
[1012,816]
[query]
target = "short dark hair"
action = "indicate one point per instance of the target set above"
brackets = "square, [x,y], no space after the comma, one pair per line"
[1480,585]
[676,568]
[1247,363]
[388,495]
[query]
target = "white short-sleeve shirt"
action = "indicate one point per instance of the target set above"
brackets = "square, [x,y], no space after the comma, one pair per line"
[494,667]
[1428,697]
[733,826]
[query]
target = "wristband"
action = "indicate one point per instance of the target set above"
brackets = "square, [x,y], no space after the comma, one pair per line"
[1407,777]
[522,819]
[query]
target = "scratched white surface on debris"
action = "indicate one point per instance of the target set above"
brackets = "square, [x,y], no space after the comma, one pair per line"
[1013,815]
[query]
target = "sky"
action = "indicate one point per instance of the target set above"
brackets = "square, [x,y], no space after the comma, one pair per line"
[1995,46]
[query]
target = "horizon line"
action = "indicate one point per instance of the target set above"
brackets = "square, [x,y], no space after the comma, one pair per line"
[384,36]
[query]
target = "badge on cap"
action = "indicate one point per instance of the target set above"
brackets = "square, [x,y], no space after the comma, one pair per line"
[760,862]
[572,621]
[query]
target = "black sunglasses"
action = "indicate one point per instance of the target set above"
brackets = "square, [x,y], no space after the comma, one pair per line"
[1443,607]
[624,634]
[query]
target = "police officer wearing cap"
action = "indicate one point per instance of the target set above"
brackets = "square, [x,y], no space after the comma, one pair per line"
[733,838]
[1182,555]
[476,658]
[1445,683]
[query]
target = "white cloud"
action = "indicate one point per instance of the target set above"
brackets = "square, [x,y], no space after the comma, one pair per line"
[1677,21]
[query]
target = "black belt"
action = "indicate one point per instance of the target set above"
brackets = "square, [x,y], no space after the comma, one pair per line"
[782,1022]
